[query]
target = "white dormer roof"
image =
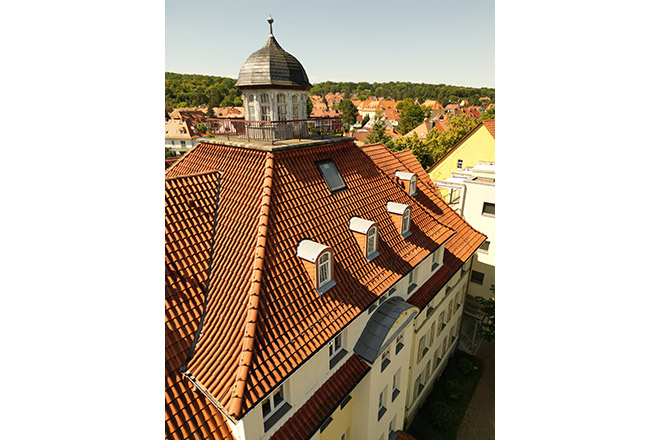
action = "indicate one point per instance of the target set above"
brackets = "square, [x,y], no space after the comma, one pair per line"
[396,208]
[360,225]
[403,175]
[310,250]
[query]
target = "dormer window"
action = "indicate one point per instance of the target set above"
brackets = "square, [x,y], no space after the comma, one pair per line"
[409,181]
[371,240]
[405,223]
[400,214]
[325,272]
[366,235]
[317,259]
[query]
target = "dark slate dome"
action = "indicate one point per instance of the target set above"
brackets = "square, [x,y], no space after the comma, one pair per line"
[272,66]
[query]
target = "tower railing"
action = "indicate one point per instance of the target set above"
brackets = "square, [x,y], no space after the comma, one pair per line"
[274,130]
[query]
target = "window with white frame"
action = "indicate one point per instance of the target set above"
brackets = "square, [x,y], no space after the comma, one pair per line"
[273,407]
[392,426]
[412,279]
[385,359]
[413,185]
[422,348]
[281,107]
[295,107]
[477,277]
[405,221]
[399,343]
[372,236]
[381,403]
[432,333]
[324,268]
[336,350]
[488,209]
[183,144]
[459,165]
[252,107]
[450,309]
[437,358]
[265,107]
[395,384]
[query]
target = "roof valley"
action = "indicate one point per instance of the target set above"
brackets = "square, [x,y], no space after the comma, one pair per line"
[249,336]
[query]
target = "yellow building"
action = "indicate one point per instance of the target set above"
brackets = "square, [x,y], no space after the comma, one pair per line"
[478,144]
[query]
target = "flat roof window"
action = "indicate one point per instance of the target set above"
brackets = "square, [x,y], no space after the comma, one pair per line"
[330,174]
[488,209]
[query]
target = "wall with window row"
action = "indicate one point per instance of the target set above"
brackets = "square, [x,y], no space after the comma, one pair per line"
[274,105]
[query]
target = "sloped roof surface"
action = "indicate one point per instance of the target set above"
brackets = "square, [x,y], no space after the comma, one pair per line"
[460,247]
[189,208]
[490,125]
[311,415]
[264,317]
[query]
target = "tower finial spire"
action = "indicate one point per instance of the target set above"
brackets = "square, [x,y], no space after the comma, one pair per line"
[270,23]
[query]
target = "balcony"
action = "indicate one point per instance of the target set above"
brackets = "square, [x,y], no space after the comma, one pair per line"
[275,130]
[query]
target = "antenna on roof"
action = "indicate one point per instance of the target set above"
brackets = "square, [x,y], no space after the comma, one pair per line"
[270,24]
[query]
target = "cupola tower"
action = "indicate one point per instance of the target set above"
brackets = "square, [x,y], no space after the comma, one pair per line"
[273,84]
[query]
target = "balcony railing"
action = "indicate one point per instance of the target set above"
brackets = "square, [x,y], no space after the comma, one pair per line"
[275,130]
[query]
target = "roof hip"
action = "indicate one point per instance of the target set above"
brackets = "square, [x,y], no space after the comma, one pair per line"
[238,391]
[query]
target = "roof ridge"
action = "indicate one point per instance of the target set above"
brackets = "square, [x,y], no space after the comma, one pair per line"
[238,392]
[183,176]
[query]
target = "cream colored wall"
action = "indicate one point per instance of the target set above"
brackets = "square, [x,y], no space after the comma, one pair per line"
[475,196]
[342,420]
[302,384]
[365,396]
[479,146]
[422,327]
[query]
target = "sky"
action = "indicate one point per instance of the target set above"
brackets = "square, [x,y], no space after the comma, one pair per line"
[438,42]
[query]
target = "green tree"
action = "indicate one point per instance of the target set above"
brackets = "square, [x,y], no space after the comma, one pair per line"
[487,307]
[411,115]
[488,114]
[365,120]
[378,134]
[349,113]
[421,149]
[310,107]
[202,128]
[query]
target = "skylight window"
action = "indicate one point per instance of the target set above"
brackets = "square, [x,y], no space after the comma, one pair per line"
[330,174]
[371,240]
[324,269]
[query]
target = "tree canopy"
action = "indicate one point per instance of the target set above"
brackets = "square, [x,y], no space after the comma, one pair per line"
[349,112]
[378,134]
[411,115]
[437,143]
[443,93]
[487,307]
[191,90]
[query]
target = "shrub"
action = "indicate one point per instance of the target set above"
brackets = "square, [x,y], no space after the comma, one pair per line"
[453,389]
[465,366]
[443,416]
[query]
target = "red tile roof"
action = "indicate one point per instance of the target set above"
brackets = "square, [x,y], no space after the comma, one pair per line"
[189,209]
[460,247]
[309,418]
[490,125]
[264,317]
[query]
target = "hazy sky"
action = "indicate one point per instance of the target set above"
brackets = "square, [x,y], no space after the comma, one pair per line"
[439,42]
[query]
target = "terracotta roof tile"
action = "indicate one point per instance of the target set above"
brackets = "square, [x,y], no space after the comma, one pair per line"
[309,418]
[258,331]
[490,125]
[460,247]
[190,205]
